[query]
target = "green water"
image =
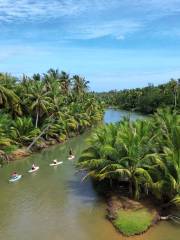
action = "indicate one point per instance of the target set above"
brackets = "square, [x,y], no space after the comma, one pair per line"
[53,203]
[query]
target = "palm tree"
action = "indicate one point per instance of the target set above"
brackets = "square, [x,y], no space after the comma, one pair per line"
[23,131]
[120,152]
[9,100]
[36,77]
[8,97]
[166,163]
[80,85]
[51,78]
[4,140]
[5,123]
[174,86]
[38,100]
[65,82]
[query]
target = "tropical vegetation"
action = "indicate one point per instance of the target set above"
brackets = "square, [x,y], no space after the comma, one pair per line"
[53,105]
[146,100]
[131,222]
[143,154]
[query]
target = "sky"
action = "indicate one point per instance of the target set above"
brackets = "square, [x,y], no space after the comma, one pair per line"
[115,44]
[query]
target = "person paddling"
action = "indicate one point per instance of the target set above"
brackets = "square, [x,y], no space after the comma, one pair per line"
[71,156]
[33,166]
[70,152]
[14,175]
[55,161]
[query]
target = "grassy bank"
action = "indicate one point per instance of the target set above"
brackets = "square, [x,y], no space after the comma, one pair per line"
[130,217]
[132,222]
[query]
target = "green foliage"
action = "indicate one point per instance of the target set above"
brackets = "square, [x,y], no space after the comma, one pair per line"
[144,153]
[10,149]
[54,100]
[22,130]
[5,123]
[131,222]
[146,100]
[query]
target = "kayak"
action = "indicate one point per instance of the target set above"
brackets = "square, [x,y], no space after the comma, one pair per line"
[71,157]
[33,170]
[14,179]
[55,164]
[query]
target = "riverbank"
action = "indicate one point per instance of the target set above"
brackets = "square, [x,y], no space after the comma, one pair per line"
[22,152]
[131,217]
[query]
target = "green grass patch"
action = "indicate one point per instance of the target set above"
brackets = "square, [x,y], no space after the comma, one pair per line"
[131,222]
[10,149]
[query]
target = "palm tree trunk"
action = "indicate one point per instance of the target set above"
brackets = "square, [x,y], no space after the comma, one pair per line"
[130,188]
[35,140]
[175,99]
[37,118]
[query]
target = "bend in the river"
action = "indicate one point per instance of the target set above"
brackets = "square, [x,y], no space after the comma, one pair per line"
[53,203]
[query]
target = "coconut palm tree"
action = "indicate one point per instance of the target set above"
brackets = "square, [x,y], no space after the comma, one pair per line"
[5,123]
[65,82]
[165,163]
[120,152]
[8,99]
[38,100]
[22,130]
[80,85]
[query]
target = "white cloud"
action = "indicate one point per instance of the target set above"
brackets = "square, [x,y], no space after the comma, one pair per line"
[116,29]
[27,10]
[89,19]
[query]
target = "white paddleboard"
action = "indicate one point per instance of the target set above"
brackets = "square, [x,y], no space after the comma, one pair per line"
[33,170]
[14,179]
[71,157]
[55,164]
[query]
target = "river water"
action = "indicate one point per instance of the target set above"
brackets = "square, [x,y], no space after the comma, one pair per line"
[53,203]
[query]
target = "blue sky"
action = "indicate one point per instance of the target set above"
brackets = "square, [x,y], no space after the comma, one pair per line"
[115,44]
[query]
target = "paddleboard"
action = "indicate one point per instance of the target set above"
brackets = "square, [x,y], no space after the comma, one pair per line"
[14,179]
[55,164]
[33,170]
[71,157]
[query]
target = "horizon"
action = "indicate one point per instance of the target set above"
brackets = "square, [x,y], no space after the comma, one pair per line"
[113,44]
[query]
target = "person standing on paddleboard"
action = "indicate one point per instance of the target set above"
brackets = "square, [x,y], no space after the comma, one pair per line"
[33,166]
[70,152]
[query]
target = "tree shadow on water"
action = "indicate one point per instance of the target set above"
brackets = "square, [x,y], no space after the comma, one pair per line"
[85,190]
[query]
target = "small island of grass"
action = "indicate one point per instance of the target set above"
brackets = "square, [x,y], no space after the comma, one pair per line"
[131,222]
[131,217]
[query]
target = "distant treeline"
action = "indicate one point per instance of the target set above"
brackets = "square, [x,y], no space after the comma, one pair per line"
[147,99]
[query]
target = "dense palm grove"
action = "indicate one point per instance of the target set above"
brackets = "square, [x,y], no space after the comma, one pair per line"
[53,105]
[146,100]
[145,154]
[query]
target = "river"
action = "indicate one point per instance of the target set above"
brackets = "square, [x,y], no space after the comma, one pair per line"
[53,203]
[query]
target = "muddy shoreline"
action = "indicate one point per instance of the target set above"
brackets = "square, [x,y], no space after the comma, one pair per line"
[116,202]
